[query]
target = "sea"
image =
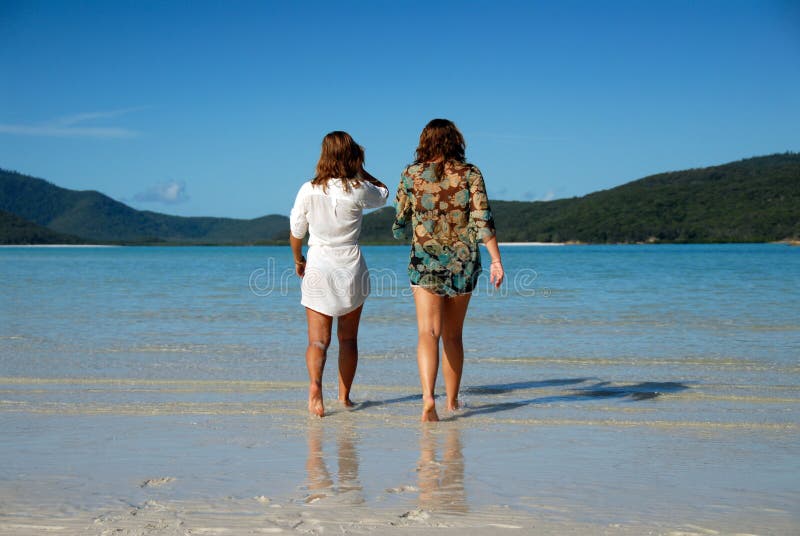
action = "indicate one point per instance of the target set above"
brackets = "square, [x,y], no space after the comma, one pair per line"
[624,384]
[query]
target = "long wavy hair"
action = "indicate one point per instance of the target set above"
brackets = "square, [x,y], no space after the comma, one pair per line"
[440,141]
[341,158]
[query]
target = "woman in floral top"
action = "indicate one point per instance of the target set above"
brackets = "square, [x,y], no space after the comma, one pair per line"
[442,201]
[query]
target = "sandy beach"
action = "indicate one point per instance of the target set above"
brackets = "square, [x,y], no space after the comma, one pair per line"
[235,457]
[252,517]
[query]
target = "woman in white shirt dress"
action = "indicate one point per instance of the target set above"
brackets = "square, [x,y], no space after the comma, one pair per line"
[335,279]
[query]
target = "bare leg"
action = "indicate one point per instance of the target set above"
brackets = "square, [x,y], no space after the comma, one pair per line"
[347,332]
[429,326]
[455,310]
[319,338]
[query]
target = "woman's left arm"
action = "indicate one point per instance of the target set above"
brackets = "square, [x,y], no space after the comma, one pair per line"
[402,206]
[297,251]
[298,227]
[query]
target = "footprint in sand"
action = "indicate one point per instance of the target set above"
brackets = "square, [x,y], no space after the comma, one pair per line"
[402,489]
[156,482]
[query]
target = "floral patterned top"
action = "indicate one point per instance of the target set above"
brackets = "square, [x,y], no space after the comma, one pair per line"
[447,218]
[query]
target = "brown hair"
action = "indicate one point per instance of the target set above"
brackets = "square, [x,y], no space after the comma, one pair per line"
[341,158]
[440,140]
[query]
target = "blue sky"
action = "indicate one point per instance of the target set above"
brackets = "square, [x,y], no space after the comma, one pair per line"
[218,108]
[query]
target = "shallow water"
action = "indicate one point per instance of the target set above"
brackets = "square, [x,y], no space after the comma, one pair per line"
[619,384]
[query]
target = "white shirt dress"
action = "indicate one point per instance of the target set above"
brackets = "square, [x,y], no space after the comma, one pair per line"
[336,279]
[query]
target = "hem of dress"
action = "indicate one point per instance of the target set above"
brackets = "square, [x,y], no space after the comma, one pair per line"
[447,291]
[347,311]
[443,295]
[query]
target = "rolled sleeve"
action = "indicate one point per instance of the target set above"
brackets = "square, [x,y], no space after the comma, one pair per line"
[480,213]
[374,196]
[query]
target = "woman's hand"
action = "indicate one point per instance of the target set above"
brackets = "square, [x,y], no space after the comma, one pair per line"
[496,269]
[496,273]
[365,175]
[300,267]
[297,251]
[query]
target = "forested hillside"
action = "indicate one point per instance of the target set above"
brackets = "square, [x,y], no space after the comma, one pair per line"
[97,218]
[752,200]
[16,230]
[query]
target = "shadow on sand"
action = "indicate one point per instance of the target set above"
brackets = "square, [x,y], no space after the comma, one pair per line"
[475,390]
[375,403]
[502,388]
[633,392]
[599,390]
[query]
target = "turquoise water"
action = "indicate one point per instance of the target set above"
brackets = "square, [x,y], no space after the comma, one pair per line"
[675,313]
[617,379]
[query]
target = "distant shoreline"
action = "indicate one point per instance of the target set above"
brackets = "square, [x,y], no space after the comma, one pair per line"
[532,244]
[794,243]
[59,246]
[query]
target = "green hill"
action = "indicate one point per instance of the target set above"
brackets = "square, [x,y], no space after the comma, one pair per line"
[16,230]
[752,200]
[96,217]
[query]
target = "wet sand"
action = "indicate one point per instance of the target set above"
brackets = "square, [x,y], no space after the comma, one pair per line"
[104,456]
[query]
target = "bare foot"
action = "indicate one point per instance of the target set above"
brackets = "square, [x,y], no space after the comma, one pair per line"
[453,406]
[346,402]
[429,410]
[315,404]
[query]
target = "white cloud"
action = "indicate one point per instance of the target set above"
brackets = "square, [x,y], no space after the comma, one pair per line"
[88,116]
[74,126]
[67,132]
[168,193]
[532,196]
[549,196]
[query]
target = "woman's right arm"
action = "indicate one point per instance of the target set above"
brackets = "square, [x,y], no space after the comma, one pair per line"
[373,197]
[481,218]
[370,179]
[496,272]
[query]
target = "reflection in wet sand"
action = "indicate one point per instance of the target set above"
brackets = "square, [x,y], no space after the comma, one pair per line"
[320,484]
[347,456]
[441,479]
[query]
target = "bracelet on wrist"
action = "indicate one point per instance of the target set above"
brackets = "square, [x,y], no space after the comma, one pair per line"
[301,261]
[498,261]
